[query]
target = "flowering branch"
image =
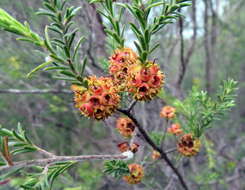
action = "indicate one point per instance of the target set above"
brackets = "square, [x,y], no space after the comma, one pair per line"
[99,97]
[155,147]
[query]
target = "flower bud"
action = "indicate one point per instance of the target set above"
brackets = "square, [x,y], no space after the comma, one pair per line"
[168,112]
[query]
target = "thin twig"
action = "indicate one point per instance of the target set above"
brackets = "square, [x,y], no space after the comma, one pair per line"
[185,59]
[46,153]
[6,153]
[49,161]
[34,91]
[171,150]
[133,103]
[165,133]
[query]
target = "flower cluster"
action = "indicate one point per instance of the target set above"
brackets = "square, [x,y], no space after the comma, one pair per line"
[188,145]
[128,74]
[126,128]
[145,81]
[100,100]
[120,62]
[136,174]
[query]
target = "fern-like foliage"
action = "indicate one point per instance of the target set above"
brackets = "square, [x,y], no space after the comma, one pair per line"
[116,168]
[200,110]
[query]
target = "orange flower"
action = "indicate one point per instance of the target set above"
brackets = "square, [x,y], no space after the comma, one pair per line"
[188,145]
[144,81]
[168,112]
[125,126]
[155,155]
[136,174]
[123,147]
[134,147]
[119,65]
[175,129]
[99,101]
[123,56]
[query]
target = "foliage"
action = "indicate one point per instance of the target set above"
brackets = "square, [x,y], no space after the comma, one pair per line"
[200,109]
[12,143]
[149,26]
[146,27]
[18,141]
[116,32]
[63,51]
[116,168]
[45,179]
[10,24]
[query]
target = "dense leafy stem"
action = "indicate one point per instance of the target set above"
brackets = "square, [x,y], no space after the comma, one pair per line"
[200,110]
[148,26]
[115,30]
[63,51]
[10,24]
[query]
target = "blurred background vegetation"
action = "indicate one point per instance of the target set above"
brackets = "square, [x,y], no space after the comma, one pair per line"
[209,42]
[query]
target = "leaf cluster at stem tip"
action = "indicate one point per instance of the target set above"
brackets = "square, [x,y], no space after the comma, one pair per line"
[116,168]
[146,24]
[10,24]
[18,142]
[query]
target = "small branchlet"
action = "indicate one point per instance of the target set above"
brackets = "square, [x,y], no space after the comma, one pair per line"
[10,24]
[63,51]
[200,110]
[17,143]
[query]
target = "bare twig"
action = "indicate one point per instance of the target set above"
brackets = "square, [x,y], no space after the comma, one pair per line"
[183,64]
[208,60]
[49,161]
[6,154]
[185,59]
[133,103]
[34,91]
[46,153]
[171,150]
